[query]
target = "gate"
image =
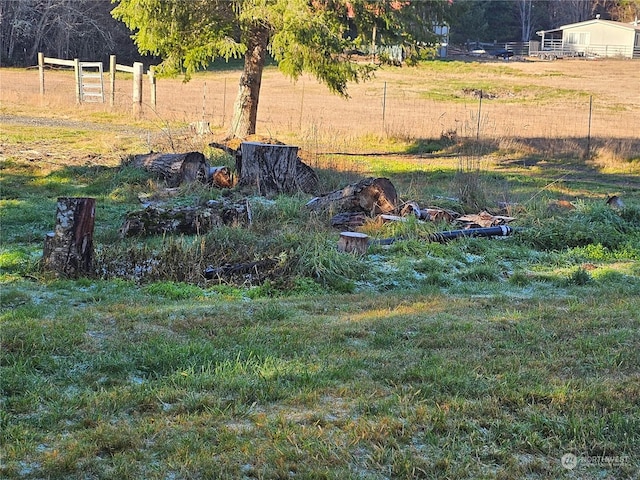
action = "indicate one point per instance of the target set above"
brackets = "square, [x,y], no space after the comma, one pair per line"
[91,82]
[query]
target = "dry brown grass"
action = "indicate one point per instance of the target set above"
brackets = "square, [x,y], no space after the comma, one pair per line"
[533,100]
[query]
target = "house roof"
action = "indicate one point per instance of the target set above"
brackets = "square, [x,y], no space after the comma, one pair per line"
[626,26]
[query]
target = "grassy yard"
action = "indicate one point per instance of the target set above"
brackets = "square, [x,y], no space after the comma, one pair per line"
[475,359]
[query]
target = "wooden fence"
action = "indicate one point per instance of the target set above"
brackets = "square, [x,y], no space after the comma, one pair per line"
[84,90]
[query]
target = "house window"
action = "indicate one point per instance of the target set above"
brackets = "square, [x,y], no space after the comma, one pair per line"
[578,38]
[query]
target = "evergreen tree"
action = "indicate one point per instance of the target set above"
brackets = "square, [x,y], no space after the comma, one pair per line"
[311,36]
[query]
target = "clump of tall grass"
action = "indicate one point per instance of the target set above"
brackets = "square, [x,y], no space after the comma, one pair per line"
[468,185]
[317,257]
[589,223]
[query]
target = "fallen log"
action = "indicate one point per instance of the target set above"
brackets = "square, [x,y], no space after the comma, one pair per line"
[483,220]
[372,196]
[68,250]
[348,220]
[174,168]
[258,268]
[156,220]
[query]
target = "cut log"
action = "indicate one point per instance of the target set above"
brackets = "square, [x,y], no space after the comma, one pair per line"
[353,242]
[221,177]
[483,220]
[372,196]
[348,220]
[68,250]
[439,215]
[175,168]
[155,220]
[257,268]
[306,178]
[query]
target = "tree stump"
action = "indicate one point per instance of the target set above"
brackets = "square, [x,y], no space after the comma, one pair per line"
[270,169]
[372,196]
[353,242]
[175,168]
[68,250]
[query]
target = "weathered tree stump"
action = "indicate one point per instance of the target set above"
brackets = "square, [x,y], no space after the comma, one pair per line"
[68,250]
[270,169]
[156,220]
[303,178]
[372,196]
[353,242]
[175,168]
[274,168]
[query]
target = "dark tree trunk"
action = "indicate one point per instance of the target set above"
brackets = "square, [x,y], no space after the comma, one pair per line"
[245,109]
[372,196]
[68,250]
[175,168]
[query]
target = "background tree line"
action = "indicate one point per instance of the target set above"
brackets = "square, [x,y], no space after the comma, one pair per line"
[85,29]
[66,29]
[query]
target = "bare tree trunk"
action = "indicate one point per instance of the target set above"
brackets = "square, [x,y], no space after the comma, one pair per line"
[524,13]
[245,109]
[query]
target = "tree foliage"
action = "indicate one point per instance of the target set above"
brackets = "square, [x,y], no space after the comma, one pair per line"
[313,36]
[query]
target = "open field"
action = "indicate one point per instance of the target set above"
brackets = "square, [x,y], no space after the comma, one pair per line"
[475,359]
[524,99]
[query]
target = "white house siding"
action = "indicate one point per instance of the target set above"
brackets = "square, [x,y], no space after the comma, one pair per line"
[599,38]
[603,38]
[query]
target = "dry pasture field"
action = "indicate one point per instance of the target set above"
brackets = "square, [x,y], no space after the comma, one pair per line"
[500,359]
[521,99]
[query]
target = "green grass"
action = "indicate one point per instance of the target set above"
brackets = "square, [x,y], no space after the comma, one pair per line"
[476,358]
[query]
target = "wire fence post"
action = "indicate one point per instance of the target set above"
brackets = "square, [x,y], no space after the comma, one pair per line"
[479,116]
[224,101]
[588,152]
[384,104]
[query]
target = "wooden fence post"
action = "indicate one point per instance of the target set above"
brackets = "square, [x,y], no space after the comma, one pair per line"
[76,74]
[68,250]
[112,79]
[152,83]
[138,70]
[41,72]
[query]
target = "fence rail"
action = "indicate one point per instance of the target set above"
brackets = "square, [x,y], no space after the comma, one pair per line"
[85,90]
